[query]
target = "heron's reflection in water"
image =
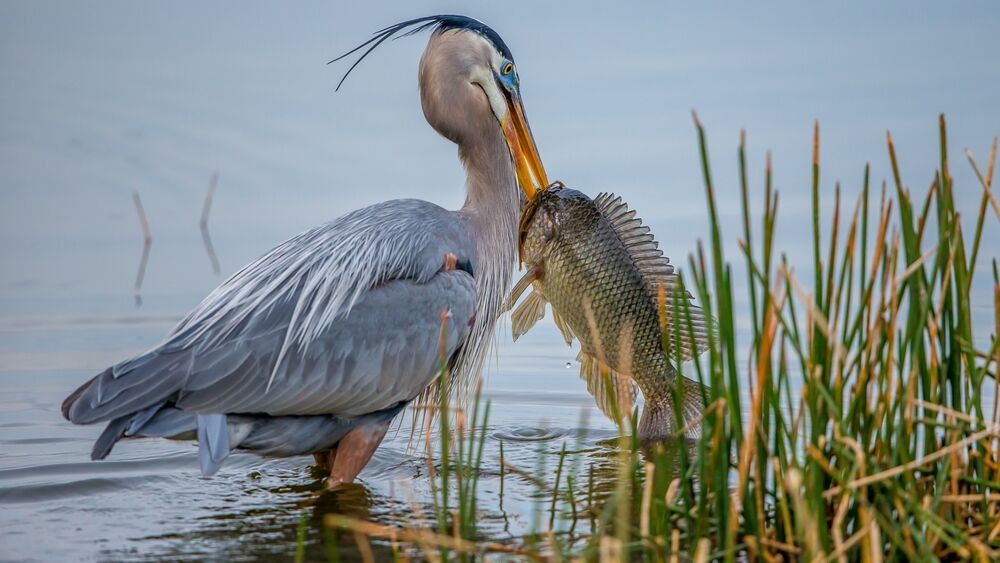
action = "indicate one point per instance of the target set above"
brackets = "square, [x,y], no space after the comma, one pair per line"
[278,508]
[298,526]
[291,522]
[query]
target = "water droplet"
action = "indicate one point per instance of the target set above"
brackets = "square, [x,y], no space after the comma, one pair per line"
[568,365]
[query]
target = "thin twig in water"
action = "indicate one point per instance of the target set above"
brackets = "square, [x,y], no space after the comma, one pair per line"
[205,236]
[147,242]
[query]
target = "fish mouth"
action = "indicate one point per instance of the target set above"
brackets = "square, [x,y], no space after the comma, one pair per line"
[528,212]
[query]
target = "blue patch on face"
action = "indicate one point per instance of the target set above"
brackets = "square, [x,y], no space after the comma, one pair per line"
[507,76]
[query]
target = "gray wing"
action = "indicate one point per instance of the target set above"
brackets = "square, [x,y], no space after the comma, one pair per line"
[344,319]
[385,351]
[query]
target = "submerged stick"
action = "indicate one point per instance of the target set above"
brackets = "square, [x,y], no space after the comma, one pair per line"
[206,238]
[147,242]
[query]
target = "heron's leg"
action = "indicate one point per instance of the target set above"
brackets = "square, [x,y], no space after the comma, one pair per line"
[450,262]
[324,459]
[354,451]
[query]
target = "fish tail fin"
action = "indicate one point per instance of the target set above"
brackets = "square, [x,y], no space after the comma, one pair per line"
[658,421]
[529,312]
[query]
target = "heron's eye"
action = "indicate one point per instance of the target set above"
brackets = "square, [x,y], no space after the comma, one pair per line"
[507,68]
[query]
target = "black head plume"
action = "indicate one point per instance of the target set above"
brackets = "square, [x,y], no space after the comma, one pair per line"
[414,26]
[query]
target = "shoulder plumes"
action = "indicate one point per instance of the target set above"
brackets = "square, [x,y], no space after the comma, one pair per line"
[441,22]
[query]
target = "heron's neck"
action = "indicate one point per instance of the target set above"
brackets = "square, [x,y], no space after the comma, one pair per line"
[491,210]
[492,202]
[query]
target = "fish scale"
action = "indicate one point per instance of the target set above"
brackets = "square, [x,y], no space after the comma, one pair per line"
[600,270]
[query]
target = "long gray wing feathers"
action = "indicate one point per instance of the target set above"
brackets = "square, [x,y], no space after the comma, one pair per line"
[323,272]
[342,319]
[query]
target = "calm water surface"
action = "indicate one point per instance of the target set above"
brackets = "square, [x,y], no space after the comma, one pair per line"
[149,501]
[98,101]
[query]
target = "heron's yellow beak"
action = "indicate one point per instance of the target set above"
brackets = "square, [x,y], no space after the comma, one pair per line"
[528,165]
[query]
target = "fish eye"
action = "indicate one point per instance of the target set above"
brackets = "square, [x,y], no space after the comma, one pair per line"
[508,68]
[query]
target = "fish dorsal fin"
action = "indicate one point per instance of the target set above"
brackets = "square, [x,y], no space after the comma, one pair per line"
[657,272]
[639,242]
[614,393]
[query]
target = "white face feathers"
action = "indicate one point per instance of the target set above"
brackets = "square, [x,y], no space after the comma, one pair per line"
[485,78]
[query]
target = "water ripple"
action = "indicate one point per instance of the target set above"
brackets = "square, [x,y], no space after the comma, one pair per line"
[83,487]
[530,434]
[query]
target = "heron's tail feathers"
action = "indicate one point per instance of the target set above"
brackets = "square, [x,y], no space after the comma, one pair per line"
[126,388]
[157,420]
[129,395]
[219,434]
[114,431]
[212,431]
[68,403]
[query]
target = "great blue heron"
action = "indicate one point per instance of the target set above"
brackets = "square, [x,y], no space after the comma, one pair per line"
[318,344]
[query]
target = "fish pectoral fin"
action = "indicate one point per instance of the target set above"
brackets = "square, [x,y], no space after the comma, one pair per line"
[614,393]
[529,312]
[567,333]
[518,289]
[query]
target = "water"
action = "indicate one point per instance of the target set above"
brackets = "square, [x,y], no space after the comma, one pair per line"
[148,500]
[99,101]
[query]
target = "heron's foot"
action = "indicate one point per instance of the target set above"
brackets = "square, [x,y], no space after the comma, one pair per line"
[354,451]
[450,262]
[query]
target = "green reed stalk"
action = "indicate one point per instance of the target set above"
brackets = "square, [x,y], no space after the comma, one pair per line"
[885,453]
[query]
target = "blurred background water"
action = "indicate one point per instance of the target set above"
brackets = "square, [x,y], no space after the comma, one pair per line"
[100,100]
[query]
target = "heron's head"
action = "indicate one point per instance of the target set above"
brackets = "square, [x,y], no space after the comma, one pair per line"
[470,90]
